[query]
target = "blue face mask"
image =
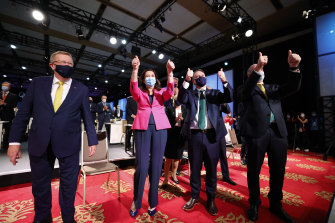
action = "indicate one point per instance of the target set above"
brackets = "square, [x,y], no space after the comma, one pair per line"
[150,81]
[64,70]
[4,88]
[201,81]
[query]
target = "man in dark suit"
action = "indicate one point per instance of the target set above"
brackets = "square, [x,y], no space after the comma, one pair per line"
[57,105]
[93,110]
[104,109]
[263,127]
[204,129]
[131,111]
[118,113]
[8,101]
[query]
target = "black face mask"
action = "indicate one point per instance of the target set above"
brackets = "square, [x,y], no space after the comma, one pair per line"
[201,81]
[64,70]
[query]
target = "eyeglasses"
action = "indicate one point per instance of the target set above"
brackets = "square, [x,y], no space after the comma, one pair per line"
[64,63]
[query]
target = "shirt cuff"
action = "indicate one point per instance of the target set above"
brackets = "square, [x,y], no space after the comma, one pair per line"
[14,144]
[226,84]
[186,84]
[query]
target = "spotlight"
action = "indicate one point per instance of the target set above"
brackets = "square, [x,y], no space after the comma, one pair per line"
[30,79]
[124,41]
[12,46]
[217,7]
[122,70]
[239,20]
[235,37]
[162,19]
[182,76]
[87,78]
[249,33]
[153,51]
[4,75]
[119,85]
[159,26]
[38,15]
[99,65]
[331,31]
[95,88]
[113,40]
[24,68]
[80,33]
[106,81]
[226,63]
[160,56]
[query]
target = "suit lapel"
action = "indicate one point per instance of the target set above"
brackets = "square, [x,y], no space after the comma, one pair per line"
[260,92]
[48,90]
[72,91]
[195,98]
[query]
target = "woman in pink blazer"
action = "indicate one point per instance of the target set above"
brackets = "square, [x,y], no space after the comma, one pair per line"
[150,132]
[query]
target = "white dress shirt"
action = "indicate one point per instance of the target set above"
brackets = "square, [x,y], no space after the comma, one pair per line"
[55,85]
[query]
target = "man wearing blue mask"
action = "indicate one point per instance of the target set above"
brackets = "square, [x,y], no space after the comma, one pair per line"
[57,104]
[8,101]
[205,130]
[104,109]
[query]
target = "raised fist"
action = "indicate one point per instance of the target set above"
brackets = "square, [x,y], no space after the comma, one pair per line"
[293,59]
[135,63]
[262,60]
[189,74]
[222,76]
[170,66]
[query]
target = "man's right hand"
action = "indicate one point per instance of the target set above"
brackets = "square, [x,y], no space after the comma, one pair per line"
[189,75]
[262,61]
[14,152]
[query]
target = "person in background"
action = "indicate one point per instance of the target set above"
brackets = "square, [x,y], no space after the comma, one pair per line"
[150,131]
[263,126]
[131,110]
[290,125]
[93,110]
[118,113]
[314,123]
[104,109]
[204,129]
[57,105]
[302,138]
[8,101]
[176,113]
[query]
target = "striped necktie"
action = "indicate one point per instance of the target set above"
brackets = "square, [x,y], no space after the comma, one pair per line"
[58,97]
[262,88]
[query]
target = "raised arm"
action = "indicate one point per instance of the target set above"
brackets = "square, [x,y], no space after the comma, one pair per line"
[182,96]
[227,95]
[170,84]
[134,90]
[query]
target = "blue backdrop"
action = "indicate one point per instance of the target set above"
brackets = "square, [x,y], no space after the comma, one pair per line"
[122,102]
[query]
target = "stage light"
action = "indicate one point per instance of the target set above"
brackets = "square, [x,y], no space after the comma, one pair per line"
[95,88]
[30,79]
[249,33]
[122,70]
[160,56]
[239,20]
[235,37]
[4,75]
[308,13]
[217,7]
[331,31]
[153,51]
[158,26]
[12,46]
[119,85]
[87,78]
[226,63]
[113,40]
[24,68]
[99,65]
[38,15]
[162,19]
[106,81]
[80,33]
[182,76]
[124,41]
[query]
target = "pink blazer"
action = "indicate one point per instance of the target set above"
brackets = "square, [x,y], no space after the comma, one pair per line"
[144,108]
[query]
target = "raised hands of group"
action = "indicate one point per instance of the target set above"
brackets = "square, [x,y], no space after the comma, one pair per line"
[135,63]
[169,66]
[222,76]
[189,74]
[293,59]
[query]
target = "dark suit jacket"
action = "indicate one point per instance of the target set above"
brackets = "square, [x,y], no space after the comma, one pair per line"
[103,116]
[93,110]
[61,129]
[257,109]
[115,113]
[7,110]
[214,98]
[171,114]
[131,109]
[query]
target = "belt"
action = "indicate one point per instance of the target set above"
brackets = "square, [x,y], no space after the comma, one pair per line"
[202,131]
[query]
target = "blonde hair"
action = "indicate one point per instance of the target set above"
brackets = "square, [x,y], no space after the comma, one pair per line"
[52,57]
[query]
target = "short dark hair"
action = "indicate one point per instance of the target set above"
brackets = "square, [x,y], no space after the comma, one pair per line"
[141,81]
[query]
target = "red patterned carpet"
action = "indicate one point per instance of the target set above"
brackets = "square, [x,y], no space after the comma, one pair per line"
[308,189]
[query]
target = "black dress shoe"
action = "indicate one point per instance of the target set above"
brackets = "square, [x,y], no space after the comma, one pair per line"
[175,181]
[282,214]
[253,213]
[190,204]
[211,208]
[45,220]
[228,180]
[243,162]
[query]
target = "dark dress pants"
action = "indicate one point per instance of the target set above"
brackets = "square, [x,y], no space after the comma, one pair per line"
[244,149]
[223,160]
[276,148]
[108,128]
[203,147]
[42,172]
[148,142]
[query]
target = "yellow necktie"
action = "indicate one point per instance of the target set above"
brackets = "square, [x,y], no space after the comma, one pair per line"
[58,97]
[261,86]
